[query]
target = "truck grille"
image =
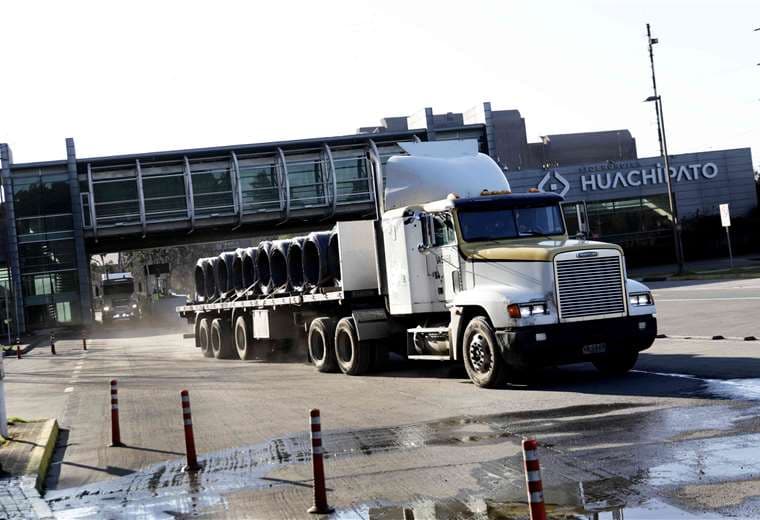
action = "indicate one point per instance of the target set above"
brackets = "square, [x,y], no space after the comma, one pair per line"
[590,287]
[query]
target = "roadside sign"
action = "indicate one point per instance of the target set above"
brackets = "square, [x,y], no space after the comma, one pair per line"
[725,221]
[725,216]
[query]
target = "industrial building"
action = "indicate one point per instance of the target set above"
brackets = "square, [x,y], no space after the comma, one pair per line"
[55,214]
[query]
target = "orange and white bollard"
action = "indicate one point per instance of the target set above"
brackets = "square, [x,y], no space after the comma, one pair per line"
[533,480]
[115,430]
[320,506]
[187,418]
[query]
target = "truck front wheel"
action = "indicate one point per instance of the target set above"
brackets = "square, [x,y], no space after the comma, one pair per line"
[321,344]
[480,351]
[353,356]
[221,339]
[616,363]
[204,337]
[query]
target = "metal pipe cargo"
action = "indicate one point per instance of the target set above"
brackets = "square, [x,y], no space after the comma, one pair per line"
[295,263]
[209,280]
[224,273]
[333,256]
[250,270]
[200,280]
[262,264]
[278,265]
[316,270]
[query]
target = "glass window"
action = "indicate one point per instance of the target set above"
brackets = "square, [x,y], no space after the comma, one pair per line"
[47,256]
[352,179]
[306,184]
[443,229]
[164,197]
[258,185]
[212,191]
[510,223]
[63,312]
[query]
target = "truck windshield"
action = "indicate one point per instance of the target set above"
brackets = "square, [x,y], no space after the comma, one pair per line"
[497,224]
[120,287]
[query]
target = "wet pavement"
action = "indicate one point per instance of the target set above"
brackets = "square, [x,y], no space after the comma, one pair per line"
[596,459]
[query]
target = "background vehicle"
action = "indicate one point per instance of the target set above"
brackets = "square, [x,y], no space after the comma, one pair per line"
[120,299]
[453,267]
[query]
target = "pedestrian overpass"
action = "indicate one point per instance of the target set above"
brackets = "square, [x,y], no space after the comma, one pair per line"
[65,211]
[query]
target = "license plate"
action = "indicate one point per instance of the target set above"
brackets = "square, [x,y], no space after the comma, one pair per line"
[595,348]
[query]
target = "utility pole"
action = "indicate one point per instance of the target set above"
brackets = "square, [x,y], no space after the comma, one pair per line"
[664,153]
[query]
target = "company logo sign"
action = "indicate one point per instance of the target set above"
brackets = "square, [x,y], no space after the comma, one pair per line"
[556,183]
[647,176]
[632,177]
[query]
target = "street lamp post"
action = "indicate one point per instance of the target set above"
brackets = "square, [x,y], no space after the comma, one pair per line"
[657,99]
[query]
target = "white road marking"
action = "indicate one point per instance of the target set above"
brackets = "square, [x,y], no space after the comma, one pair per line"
[658,300]
[68,389]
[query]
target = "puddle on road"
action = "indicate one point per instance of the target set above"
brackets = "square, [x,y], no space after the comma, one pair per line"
[165,491]
[710,460]
[477,508]
[743,389]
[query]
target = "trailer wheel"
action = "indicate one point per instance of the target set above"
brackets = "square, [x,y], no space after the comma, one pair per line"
[204,338]
[321,342]
[243,339]
[480,350]
[353,356]
[221,339]
[616,364]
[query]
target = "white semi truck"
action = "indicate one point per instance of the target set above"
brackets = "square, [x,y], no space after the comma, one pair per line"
[454,266]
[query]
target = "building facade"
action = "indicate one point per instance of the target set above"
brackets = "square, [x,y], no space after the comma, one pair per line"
[56,214]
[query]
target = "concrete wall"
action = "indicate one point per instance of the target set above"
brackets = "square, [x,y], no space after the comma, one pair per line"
[701,181]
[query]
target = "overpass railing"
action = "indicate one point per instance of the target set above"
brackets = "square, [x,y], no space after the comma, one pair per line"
[234,188]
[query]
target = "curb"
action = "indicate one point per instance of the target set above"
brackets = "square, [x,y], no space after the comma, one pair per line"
[39,462]
[717,337]
[33,344]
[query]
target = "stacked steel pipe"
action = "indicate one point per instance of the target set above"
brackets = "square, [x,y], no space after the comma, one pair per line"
[301,264]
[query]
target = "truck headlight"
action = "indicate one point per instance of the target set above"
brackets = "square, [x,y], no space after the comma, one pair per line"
[526,310]
[134,305]
[106,308]
[640,299]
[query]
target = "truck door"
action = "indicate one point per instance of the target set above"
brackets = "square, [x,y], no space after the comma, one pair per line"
[448,253]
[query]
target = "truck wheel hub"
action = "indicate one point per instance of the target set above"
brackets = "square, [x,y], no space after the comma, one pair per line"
[480,354]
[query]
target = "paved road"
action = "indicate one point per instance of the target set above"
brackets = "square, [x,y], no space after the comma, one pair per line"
[675,438]
[709,308]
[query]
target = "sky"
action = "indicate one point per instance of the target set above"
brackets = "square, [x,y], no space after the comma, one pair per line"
[128,77]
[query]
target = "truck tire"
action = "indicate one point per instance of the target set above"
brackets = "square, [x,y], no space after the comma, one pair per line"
[353,356]
[480,350]
[243,339]
[204,338]
[616,364]
[221,340]
[321,341]
[196,331]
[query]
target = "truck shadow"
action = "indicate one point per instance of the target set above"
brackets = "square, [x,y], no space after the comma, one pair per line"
[655,375]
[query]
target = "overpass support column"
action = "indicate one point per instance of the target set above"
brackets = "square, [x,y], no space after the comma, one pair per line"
[10,220]
[82,260]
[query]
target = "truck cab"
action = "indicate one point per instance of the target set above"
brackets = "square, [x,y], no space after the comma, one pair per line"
[502,286]
[121,301]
